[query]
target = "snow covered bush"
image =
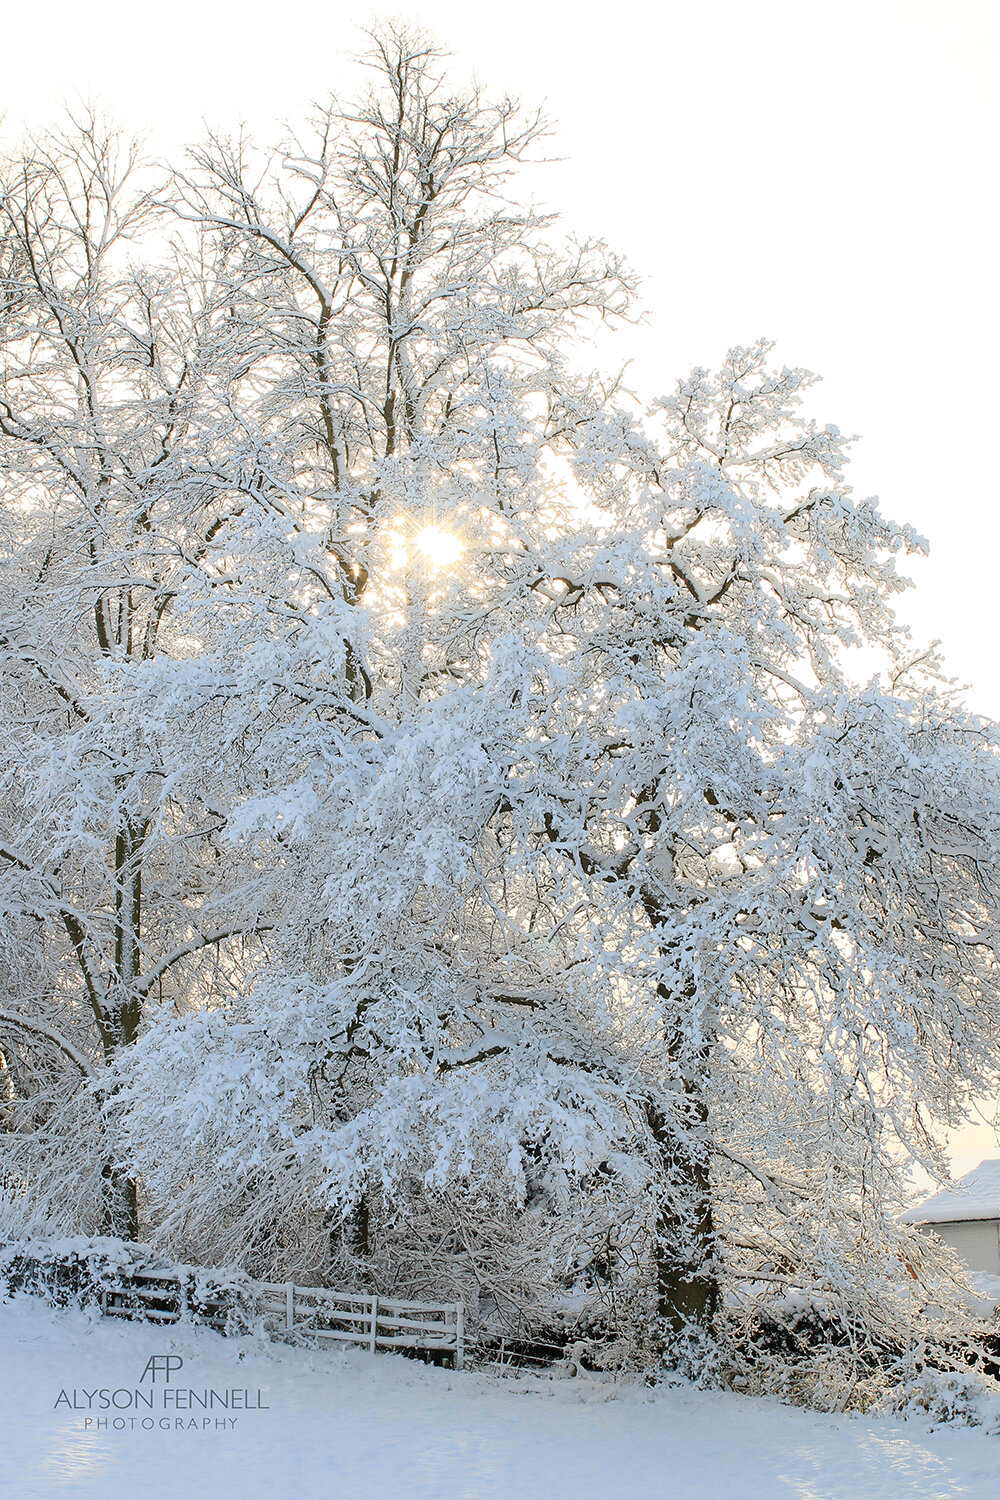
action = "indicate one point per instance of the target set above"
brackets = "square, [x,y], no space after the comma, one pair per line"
[455,853]
[934,1398]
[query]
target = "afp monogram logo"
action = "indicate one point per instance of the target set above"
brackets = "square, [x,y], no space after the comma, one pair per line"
[162,1363]
[157,1403]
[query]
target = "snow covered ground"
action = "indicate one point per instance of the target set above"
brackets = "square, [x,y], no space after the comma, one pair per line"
[342,1426]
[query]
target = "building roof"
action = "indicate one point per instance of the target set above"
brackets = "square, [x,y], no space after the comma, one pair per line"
[974,1196]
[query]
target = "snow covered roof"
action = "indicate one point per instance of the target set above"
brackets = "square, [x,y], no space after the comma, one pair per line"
[975,1196]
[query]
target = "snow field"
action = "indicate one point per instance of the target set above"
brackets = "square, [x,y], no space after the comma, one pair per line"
[342,1426]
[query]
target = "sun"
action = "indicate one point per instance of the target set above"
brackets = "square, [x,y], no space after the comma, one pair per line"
[441,548]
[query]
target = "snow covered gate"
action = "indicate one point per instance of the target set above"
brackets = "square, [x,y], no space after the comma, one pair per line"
[343,1317]
[375,1322]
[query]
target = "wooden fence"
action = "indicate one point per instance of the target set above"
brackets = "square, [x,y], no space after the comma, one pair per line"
[317,1312]
[376,1322]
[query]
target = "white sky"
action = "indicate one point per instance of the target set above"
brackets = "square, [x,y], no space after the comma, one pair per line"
[819,171]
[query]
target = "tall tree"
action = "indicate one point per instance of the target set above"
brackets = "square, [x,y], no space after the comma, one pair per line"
[113,791]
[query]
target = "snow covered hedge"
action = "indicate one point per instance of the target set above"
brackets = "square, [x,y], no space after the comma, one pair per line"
[86,1271]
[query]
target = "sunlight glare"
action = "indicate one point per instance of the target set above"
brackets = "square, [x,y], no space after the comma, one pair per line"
[440,547]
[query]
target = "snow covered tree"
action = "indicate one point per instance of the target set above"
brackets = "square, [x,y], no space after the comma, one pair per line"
[396,330]
[114,787]
[798,871]
[634,901]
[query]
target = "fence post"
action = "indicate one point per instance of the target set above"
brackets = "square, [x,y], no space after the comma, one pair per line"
[459,1335]
[374,1334]
[289,1305]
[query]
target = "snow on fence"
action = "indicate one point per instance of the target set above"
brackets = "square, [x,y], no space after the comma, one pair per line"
[345,1317]
[376,1322]
[320,1313]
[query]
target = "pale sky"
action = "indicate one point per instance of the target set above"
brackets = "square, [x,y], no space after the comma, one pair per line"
[822,172]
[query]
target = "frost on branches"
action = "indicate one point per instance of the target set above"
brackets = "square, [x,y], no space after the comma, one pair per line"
[444,847]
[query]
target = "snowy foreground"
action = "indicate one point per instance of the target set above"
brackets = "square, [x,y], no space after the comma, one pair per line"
[344,1425]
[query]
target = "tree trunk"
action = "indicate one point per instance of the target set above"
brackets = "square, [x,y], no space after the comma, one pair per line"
[687,1291]
[119,1201]
[119,1196]
[357,1228]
